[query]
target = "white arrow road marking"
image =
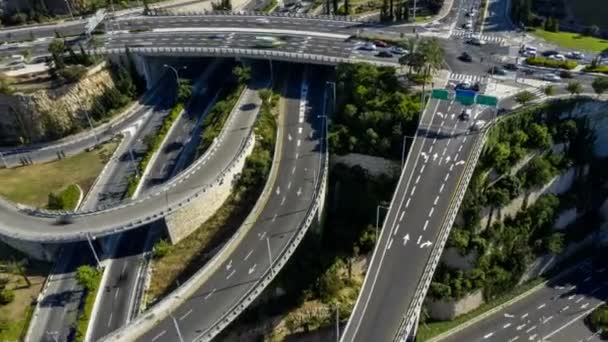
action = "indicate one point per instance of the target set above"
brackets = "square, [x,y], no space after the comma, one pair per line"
[452,116]
[435,156]
[447,159]
[406,238]
[440,115]
[229,266]
[299,192]
[252,269]
[461,162]
[426,244]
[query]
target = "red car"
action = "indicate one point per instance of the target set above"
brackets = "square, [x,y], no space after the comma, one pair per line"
[380,43]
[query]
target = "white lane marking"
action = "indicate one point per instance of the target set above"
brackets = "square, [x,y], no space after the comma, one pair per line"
[299,130]
[461,162]
[595,290]
[229,266]
[422,168]
[248,255]
[251,269]
[209,294]
[587,279]
[413,190]
[396,230]
[519,327]
[571,321]
[436,199]
[110,319]
[283,200]
[288,136]
[456,156]
[401,216]
[441,188]
[278,192]
[390,243]
[293,170]
[298,142]
[417,179]
[451,167]
[406,238]
[185,315]
[460,148]
[506,325]
[487,336]
[274,218]
[262,236]
[289,186]
[571,297]
[579,300]
[548,319]
[541,306]
[116,294]
[464,140]
[530,329]
[532,337]
[564,308]
[419,238]
[431,211]
[446,177]
[426,223]
[407,204]
[299,192]
[514,339]
[159,335]
[584,306]
[231,274]
[524,315]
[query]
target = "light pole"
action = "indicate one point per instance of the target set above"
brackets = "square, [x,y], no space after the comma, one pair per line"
[89,239]
[333,87]
[67,4]
[179,333]
[3,160]
[271,74]
[176,71]
[378,218]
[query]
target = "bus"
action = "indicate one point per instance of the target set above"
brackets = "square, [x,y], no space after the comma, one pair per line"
[267,42]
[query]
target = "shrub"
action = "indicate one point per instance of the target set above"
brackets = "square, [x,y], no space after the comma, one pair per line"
[161,248]
[88,277]
[598,319]
[72,73]
[551,63]
[6,296]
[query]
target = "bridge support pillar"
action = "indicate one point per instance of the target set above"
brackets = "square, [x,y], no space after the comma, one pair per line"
[35,250]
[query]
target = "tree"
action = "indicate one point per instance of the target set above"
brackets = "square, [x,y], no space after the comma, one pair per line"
[539,136]
[433,54]
[549,90]
[6,296]
[574,87]
[524,97]
[555,243]
[266,96]
[57,48]
[242,73]
[6,85]
[88,277]
[600,85]
[539,172]
[184,90]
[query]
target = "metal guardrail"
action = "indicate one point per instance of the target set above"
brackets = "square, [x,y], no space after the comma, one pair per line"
[157,12]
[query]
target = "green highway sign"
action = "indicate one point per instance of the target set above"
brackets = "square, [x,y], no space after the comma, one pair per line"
[465,100]
[485,100]
[440,94]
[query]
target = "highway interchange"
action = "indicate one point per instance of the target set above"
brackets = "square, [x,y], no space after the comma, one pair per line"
[443,143]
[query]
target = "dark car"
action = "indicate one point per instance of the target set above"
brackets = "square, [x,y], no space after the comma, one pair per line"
[511,66]
[565,74]
[465,57]
[384,54]
[528,71]
[550,53]
[380,43]
[497,71]
[64,219]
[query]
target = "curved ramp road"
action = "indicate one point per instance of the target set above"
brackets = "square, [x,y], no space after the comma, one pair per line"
[428,183]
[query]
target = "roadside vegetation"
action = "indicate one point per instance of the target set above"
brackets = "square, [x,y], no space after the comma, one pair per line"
[598,320]
[26,185]
[153,141]
[89,278]
[174,264]
[21,280]
[551,63]
[67,199]
[522,154]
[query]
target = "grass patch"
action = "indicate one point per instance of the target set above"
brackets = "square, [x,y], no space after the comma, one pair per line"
[270,6]
[32,184]
[66,199]
[82,322]
[601,69]
[429,330]
[16,316]
[573,40]
[175,264]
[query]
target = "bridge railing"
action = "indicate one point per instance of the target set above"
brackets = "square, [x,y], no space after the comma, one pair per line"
[156,12]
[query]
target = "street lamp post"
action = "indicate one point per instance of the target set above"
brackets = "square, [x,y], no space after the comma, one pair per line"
[378,218]
[337,322]
[67,4]
[176,71]
[3,161]
[89,239]
[179,333]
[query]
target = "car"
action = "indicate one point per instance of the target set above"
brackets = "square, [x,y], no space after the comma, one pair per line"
[549,53]
[511,66]
[466,114]
[529,53]
[551,77]
[467,26]
[476,41]
[465,57]
[262,21]
[464,85]
[527,71]
[384,54]
[218,36]
[369,46]
[565,74]
[65,219]
[558,57]
[575,55]
[398,51]
[478,125]
[381,43]
[497,71]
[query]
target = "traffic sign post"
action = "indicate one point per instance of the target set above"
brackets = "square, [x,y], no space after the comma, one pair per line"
[440,94]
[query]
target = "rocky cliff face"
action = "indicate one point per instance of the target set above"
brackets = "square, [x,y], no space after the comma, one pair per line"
[53,113]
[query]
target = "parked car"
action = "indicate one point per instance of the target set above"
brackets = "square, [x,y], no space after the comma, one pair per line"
[381,43]
[551,77]
[549,53]
[497,71]
[478,125]
[511,66]
[575,55]
[464,85]
[384,54]
[565,74]
[369,46]
[558,57]
[262,21]
[465,57]
[399,51]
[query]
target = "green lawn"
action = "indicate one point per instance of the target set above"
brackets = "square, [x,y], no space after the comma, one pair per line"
[589,12]
[32,184]
[573,40]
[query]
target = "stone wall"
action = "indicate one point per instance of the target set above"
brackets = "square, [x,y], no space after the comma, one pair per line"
[375,166]
[184,221]
[56,112]
[448,309]
[451,257]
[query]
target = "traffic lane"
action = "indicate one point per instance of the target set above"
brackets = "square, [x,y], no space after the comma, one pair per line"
[117,296]
[543,312]
[42,31]
[436,181]
[238,273]
[397,201]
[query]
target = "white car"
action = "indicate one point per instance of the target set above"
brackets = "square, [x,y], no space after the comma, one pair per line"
[558,57]
[262,21]
[369,46]
[575,55]
[398,51]
[551,77]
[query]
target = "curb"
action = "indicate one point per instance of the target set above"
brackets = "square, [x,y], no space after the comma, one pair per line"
[92,318]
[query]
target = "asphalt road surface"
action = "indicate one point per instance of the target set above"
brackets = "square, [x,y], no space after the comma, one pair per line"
[554,313]
[432,172]
[277,224]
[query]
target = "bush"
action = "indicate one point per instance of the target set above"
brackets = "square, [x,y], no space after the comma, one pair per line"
[72,73]
[598,319]
[6,296]
[551,63]
[88,277]
[65,200]
[161,248]
[603,69]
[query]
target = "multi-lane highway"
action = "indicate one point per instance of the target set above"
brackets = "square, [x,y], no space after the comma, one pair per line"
[553,313]
[432,175]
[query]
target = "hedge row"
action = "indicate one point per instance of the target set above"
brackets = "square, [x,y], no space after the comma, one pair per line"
[551,63]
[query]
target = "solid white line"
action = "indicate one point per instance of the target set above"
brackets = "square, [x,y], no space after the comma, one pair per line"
[159,335]
[250,30]
[248,255]
[572,321]
[186,314]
